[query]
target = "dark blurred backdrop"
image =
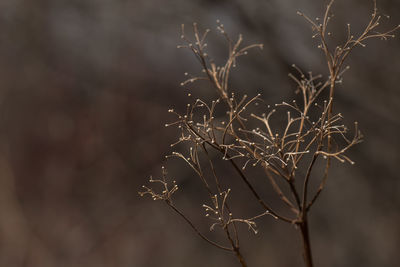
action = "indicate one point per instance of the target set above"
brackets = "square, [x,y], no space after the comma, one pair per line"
[85,89]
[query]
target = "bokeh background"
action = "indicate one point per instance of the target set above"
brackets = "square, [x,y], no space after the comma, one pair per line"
[85,86]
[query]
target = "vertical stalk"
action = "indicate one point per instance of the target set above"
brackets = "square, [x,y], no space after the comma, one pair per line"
[235,248]
[307,255]
[240,257]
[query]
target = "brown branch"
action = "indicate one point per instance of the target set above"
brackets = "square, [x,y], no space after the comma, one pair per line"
[277,189]
[196,230]
[257,196]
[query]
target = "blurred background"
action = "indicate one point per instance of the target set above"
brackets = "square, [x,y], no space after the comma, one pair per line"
[85,86]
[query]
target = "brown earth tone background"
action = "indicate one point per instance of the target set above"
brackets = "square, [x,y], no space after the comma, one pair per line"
[85,86]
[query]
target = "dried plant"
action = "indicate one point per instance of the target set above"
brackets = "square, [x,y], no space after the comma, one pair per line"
[244,135]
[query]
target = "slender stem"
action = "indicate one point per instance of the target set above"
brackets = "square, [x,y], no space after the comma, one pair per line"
[305,185]
[295,193]
[257,196]
[196,230]
[220,191]
[306,241]
[235,248]
[303,224]
[240,257]
[278,190]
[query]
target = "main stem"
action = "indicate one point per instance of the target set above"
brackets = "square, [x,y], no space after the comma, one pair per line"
[240,257]
[306,241]
[235,248]
[303,224]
